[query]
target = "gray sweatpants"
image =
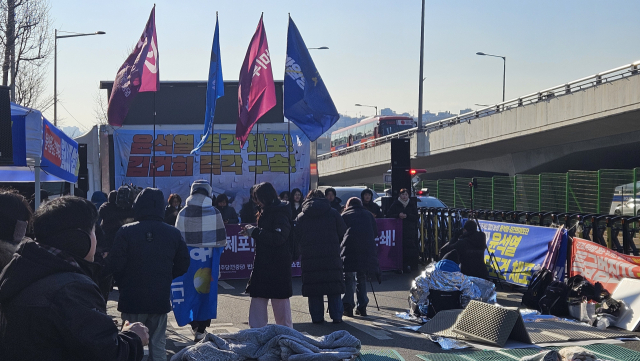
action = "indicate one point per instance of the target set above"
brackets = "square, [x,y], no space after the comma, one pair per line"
[157,325]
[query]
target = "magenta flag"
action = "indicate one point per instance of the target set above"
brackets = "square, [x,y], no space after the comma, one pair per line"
[256,91]
[139,73]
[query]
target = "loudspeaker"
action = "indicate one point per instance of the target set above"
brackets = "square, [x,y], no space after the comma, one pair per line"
[83,173]
[6,139]
[400,166]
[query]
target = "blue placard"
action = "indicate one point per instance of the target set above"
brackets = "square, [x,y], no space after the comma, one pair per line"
[59,153]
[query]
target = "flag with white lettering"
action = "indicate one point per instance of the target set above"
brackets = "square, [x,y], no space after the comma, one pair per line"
[307,102]
[139,73]
[256,90]
[215,88]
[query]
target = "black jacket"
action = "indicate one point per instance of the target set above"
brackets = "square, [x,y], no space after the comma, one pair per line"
[171,214]
[371,206]
[53,310]
[248,212]
[470,247]
[336,204]
[295,211]
[271,275]
[229,215]
[112,218]
[359,253]
[146,256]
[319,230]
[409,230]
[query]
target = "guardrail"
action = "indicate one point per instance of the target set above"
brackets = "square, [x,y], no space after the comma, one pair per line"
[543,95]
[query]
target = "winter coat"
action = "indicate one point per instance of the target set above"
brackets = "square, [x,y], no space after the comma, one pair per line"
[229,215]
[112,218]
[319,230]
[6,253]
[53,310]
[336,204]
[470,247]
[371,206]
[409,231]
[171,214]
[146,256]
[359,253]
[271,275]
[295,211]
[200,223]
[248,212]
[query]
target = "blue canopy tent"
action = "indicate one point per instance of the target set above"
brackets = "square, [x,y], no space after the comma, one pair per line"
[41,152]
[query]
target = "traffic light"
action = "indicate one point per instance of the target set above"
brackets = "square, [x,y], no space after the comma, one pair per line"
[416,171]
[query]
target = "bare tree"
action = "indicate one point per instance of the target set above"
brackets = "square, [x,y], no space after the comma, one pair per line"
[100,107]
[25,35]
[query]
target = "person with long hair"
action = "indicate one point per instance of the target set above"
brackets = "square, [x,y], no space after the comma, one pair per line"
[271,275]
[319,230]
[296,202]
[171,210]
[403,208]
[249,209]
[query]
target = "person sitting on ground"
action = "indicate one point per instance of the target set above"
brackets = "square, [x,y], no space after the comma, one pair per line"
[366,196]
[334,201]
[284,196]
[145,258]
[171,210]
[229,214]
[359,256]
[296,202]
[470,246]
[15,215]
[50,307]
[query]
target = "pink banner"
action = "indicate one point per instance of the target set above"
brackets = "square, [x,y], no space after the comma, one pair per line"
[236,261]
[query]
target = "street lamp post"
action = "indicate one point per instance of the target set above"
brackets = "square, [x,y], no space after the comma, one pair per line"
[55,68]
[370,106]
[504,69]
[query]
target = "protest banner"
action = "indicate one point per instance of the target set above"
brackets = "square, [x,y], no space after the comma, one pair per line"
[236,261]
[600,264]
[522,249]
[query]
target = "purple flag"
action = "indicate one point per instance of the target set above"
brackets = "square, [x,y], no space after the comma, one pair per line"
[139,73]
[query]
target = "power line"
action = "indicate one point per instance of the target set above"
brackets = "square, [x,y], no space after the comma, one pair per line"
[83,127]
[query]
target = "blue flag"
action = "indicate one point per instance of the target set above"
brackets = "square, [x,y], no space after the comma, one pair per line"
[307,102]
[215,88]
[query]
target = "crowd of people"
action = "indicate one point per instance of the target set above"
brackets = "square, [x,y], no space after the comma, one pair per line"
[60,263]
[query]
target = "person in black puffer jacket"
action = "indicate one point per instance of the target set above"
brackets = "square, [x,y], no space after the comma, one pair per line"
[50,306]
[359,255]
[319,230]
[112,218]
[271,275]
[470,246]
[334,201]
[229,214]
[366,196]
[145,258]
[172,209]
[404,208]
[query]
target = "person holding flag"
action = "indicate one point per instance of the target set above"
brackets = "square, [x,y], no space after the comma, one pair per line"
[256,90]
[139,73]
[307,102]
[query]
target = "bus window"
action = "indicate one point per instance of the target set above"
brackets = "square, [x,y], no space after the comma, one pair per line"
[369,130]
[359,134]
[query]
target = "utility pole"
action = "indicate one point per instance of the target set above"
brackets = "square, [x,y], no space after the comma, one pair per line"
[420,90]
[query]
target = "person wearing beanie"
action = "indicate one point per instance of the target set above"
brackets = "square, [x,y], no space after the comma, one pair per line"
[145,258]
[470,246]
[51,306]
[201,225]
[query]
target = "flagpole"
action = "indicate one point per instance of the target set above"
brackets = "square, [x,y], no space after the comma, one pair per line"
[255,163]
[153,158]
[211,160]
[289,146]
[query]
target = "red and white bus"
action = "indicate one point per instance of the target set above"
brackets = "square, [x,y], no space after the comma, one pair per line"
[370,128]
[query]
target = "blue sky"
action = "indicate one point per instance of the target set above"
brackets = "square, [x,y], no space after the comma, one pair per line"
[374,46]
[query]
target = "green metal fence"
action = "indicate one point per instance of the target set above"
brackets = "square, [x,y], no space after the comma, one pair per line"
[607,191]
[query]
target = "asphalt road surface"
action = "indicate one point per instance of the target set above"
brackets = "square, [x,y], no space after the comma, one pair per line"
[380,330]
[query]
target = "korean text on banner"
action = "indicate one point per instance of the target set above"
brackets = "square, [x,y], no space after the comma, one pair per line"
[522,249]
[600,264]
[59,153]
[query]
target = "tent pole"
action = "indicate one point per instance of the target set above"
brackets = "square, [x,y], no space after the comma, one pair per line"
[36,191]
[153,146]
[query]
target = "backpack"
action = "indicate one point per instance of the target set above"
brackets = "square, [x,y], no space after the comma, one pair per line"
[443,300]
[554,302]
[539,282]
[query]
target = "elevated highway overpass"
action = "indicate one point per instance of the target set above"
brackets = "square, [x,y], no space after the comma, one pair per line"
[588,124]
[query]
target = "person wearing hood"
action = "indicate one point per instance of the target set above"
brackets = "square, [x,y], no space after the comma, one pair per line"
[201,225]
[98,198]
[366,196]
[174,205]
[334,201]
[15,215]
[50,306]
[296,202]
[319,230]
[470,247]
[271,275]
[112,218]
[229,214]
[359,256]
[146,256]
[403,208]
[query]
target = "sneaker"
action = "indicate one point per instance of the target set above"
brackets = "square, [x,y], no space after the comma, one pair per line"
[361,312]
[199,336]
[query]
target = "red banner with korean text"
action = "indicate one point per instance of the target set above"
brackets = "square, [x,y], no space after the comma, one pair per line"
[236,262]
[600,264]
